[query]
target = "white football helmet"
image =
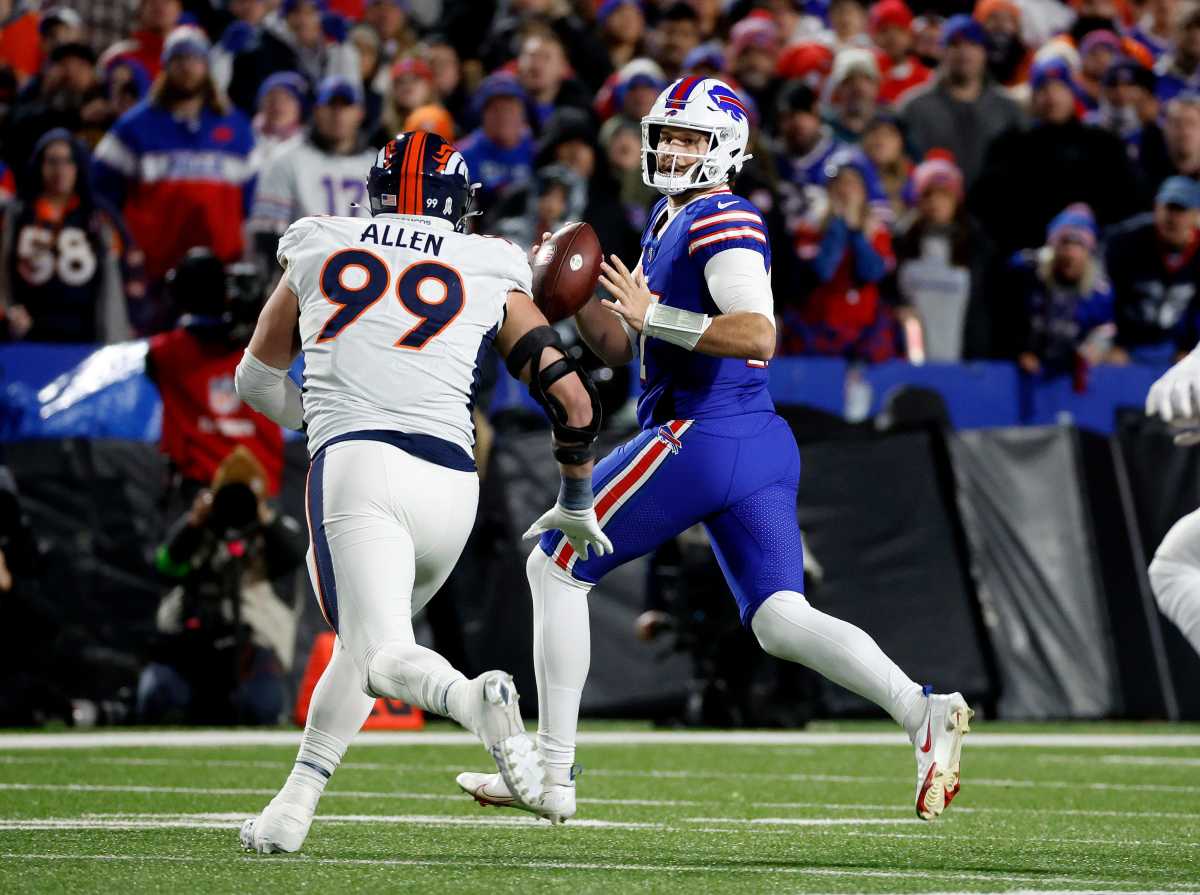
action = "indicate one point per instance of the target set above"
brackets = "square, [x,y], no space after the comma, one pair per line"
[702,104]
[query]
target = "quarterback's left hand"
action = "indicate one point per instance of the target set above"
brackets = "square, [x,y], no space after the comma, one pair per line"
[631,297]
[1175,398]
[580,527]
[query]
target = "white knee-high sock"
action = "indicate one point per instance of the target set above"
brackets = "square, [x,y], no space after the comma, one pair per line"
[420,677]
[562,654]
[789,628]
[336,713]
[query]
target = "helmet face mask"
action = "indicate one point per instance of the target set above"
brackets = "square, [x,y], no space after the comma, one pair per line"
[706,105]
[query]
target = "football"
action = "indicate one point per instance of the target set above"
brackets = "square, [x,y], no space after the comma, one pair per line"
[566,270]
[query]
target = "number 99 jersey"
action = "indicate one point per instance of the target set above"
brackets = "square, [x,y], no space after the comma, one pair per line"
[396,314]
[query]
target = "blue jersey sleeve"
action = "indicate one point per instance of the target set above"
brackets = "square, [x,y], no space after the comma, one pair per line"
[725,221]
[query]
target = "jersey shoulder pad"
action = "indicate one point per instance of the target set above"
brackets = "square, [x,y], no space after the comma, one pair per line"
[723,220]
[293,238]
[510,263]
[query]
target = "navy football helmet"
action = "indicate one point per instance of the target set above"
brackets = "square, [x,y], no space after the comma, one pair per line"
[421,174]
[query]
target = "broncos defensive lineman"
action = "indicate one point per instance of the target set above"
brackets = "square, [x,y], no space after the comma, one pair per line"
[697,310]
[395,314]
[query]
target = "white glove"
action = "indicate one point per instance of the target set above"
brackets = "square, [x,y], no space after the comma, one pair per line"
[580,527]
[1175,398]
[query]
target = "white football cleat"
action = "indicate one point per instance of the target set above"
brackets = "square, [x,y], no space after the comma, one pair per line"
[556,804]
[939,750]
[282,827]
[497,721]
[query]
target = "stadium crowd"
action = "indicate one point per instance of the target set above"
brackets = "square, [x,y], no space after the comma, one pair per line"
[1011,179]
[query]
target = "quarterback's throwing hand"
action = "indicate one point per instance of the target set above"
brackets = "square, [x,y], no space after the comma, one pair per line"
[580,528]
[1175,398]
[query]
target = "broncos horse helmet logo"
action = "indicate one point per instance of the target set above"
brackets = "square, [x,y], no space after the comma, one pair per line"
[727,101]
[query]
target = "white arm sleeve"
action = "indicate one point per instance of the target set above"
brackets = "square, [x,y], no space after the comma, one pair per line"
[269,391]
[737,282]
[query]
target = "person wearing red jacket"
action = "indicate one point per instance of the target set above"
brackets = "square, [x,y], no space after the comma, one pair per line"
[900,69]
[156,19]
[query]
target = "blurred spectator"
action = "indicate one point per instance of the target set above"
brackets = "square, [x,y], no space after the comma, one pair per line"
[852,93]
[848,21]
[1129,109]
[1097,53]
[20,48]
[584,41]
[1156,28]
[1154,268]
[556,195]
[67,263]
[959,110]
[430,118]
[621,142]
[279,122]
[155,21]
[1008,58]
[293,39]
[843,315]
[544,74]
[71,96]
[1030,175]
[227,626]
[60,25]
[941,261]
[411,87]
[752,57]
[499,154]
[125,84]
[444,62]
[706,61]
[675,36]
[389,18]
[239,34]
[891,29]
[1175,148]
[1179,70]
[927,40]
[630,91]
[325,173]
[883,143]
[1068,302]
[193,367]
[194,192]
[622,25]
[373,75]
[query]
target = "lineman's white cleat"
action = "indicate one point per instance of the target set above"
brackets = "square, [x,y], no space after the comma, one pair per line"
[556,804]
[282,827]
[493,702]
[939,749]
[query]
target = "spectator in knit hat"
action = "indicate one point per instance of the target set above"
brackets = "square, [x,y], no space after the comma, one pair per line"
[631,91]
[1097,53]
[1030,175]
[293,39]
[1129,109]
[155,20]
[622,25]
[852,93]
[959,110]
[1175,149]
[499,153]
[706,61]
[126,84]
[545,74]
[841,314]
[675,37]
[195,193]
[900,70]
[278,123]
[1179,70]
[942,258]
[752,57]
[1008,56]
[1153,261]
[410,87]
[1066,299]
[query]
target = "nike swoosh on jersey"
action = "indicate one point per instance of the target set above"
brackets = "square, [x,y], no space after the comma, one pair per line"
[726,204]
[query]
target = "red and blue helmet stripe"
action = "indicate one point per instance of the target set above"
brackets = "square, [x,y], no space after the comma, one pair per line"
[679,94]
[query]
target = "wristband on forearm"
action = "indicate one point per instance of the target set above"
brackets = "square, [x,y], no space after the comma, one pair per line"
[674,325]
[575,494]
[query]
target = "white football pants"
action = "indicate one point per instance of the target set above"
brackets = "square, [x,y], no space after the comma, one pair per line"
[1175,576]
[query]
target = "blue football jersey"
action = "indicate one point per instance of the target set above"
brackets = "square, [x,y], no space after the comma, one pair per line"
[680,384]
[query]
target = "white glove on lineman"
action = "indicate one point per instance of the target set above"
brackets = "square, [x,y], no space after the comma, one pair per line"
[580,527]
[1175,398]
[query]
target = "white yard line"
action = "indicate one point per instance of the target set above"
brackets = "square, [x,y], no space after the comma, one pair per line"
[292,862]
[233,821]
[203,738]
[1141,760]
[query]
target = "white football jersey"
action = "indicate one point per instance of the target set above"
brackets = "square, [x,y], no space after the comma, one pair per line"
[396,315]
[302,180]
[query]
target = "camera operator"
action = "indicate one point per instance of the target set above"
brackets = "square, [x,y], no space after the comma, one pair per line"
[228,625]
[193,366]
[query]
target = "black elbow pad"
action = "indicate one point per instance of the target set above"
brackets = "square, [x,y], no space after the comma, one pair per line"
[572,444]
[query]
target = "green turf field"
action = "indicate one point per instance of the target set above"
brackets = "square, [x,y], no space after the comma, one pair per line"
[1116,810]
